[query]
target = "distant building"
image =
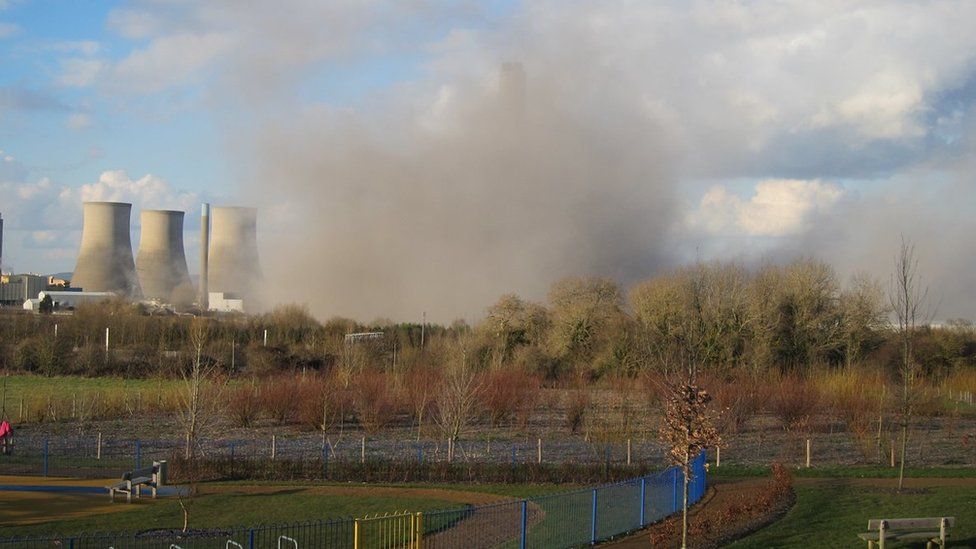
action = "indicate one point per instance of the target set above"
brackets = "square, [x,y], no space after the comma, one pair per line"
[15,289]
[70,300]
[58,282]
[363,336]
[225,302]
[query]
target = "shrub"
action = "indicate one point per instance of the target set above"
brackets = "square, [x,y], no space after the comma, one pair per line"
[244,403]
[373,400]
[795,403]
[279,399]
[508,393]
[577,404]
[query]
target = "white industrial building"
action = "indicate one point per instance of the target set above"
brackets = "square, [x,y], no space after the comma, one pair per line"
[225,302]
[67,300]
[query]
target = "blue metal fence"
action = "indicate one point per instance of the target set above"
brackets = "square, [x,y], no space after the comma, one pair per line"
[570,519]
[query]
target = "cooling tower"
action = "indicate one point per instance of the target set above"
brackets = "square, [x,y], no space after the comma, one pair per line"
[233,264]
[105,258]
[161,263]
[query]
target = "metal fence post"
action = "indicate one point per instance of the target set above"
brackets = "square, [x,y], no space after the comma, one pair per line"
[593,521]
[525,523]
[643,499]
[674,490]
[250,538]
[138,454]
[45,456]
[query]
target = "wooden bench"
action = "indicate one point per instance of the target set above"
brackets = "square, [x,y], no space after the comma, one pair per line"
[133,481]
[932,530]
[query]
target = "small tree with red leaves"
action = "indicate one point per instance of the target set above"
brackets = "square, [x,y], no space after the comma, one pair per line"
[688,429]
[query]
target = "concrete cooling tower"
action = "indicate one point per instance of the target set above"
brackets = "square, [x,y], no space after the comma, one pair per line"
[161,262]
[105,258]
[233,261]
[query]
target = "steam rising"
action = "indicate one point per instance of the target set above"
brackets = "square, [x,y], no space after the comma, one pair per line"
[492,189]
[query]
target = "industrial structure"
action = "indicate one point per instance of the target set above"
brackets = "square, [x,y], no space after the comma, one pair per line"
[161,262]
[230,273]
[233,267]
[105,258]
[1,243]
[203,298]
[15,289]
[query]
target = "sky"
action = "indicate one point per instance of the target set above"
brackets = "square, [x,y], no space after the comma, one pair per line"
[425,155]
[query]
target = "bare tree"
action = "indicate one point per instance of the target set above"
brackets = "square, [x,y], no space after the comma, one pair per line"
[198,395]
[457,400]
[910,301]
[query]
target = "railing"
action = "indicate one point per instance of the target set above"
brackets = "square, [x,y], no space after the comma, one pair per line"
[569,519]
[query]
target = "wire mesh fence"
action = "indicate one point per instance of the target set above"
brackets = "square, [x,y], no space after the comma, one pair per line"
[305,456]
[570,519]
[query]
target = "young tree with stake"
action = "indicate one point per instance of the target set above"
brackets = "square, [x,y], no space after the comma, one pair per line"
[689,425]
[910,301]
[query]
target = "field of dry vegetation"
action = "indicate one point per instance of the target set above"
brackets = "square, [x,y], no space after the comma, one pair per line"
[787,353]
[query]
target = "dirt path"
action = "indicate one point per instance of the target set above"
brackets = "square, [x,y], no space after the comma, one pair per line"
[719,495]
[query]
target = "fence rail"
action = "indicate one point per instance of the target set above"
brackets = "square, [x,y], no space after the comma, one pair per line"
[570,519]
[92,455]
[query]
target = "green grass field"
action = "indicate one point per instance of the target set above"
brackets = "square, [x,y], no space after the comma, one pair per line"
[41,386]
[842,471]
[230,504]
[831,513]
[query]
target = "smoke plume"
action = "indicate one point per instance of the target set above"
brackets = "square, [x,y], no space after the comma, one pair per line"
[496,187]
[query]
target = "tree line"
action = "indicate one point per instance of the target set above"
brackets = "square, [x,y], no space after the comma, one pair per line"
[731,320]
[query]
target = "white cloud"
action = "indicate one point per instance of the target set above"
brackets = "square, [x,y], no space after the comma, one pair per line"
[43,215]
[79,121]
[148,191]
[778,207]
[80,72]
[168,61]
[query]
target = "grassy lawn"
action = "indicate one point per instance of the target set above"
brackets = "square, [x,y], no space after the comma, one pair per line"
[831,513]
[39,387]
[845,471]
[216,510]
[509,490]
[254,503]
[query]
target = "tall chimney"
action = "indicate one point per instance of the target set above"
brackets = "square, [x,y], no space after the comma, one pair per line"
[105,257]
[204,256]
[1,243]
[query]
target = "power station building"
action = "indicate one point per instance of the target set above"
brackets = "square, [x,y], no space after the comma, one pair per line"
[15,289]
[230,269]
[105,257]
[161,262]
[234,268]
